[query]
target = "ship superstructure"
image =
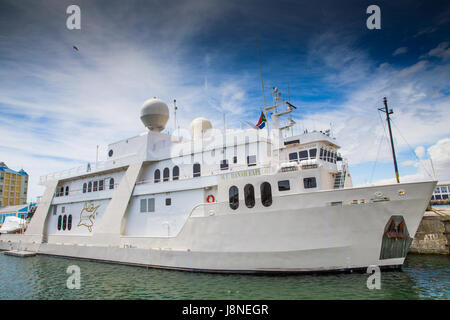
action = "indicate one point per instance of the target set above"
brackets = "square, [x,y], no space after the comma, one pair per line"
[251,200]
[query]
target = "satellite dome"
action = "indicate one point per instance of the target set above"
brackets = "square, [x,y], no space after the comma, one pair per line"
[154,114]
[199,126]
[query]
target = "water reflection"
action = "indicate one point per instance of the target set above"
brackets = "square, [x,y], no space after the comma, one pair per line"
[42,277]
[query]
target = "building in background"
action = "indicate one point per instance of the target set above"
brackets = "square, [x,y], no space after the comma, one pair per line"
[441,194]
[23,211]
[13,186]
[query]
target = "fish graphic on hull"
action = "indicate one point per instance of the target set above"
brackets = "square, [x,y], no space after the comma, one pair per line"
[87,215]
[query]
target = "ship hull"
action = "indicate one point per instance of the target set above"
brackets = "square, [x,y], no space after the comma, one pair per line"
[295,235]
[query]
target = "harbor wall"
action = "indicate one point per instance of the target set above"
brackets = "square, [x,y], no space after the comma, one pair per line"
[433,234]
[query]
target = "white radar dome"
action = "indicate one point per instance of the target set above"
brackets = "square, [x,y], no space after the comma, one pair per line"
[199,126]
[154,114]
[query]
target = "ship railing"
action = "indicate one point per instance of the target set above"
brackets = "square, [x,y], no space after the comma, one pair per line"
[86,169]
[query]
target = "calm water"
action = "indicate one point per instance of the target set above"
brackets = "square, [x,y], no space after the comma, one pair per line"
[42,277]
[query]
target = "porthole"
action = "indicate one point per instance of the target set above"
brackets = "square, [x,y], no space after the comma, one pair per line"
[110,153]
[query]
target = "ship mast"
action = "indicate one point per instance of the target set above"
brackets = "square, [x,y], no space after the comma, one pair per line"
[388,112]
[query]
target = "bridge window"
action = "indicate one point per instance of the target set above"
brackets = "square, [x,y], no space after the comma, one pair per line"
[67,190]
[249,195]
[166,174]
[64,224]
[84,187]
[303,155]
[100,185]
[266,194]
[95,188]
[284,185]
[69,222]
[157,176]
[310,182]
[224,164]
[175,173]
[312,153]
[293,156]
[196,170]
[321,154]
[90,186]
[59,222]
[111,183]
[234,197]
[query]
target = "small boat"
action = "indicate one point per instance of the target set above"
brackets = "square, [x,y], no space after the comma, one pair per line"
[12,225]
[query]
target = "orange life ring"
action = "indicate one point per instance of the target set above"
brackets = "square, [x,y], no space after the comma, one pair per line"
[210,198]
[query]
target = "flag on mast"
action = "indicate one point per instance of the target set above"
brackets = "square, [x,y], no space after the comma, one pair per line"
[261,122]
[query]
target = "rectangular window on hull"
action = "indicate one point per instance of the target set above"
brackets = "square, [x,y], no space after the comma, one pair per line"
[309,183]
[284,185]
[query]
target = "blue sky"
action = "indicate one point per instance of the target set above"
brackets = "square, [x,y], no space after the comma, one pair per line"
[57,104]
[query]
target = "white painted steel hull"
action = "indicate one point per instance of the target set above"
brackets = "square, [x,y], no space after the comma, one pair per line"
[295,234]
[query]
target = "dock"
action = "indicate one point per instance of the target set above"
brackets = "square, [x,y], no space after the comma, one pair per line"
[433,234]
[18,253]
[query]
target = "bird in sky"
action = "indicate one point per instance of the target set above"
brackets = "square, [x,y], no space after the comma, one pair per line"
[75,47]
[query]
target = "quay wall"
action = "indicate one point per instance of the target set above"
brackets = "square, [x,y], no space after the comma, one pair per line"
[433,234]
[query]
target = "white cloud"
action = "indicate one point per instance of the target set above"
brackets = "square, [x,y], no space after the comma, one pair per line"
[420,151]
[400,50]
[441,51]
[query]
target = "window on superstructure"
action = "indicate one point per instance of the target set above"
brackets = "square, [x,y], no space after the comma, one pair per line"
[284,185]
[69,222]
[303,155]
[234,197]
[95,187]
[312,153]
[196,170]
[67,190]
[59,222]
[90,186]
[143,205]
[157,176]
[293,156]
[168,201]
[266,194]
[321,154]
[249,195]
[166,174]
[151,205]
[100,185]
[235,159]
[61,191]
[111,183]
[309,182]
[84,187]
[224,164]
[251,161]
[64,223]
[175,173]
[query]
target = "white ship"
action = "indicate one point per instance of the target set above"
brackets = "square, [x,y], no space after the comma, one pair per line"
[251,200]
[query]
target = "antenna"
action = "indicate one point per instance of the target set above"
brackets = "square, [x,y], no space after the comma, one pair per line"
[388,112]
[175,116]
